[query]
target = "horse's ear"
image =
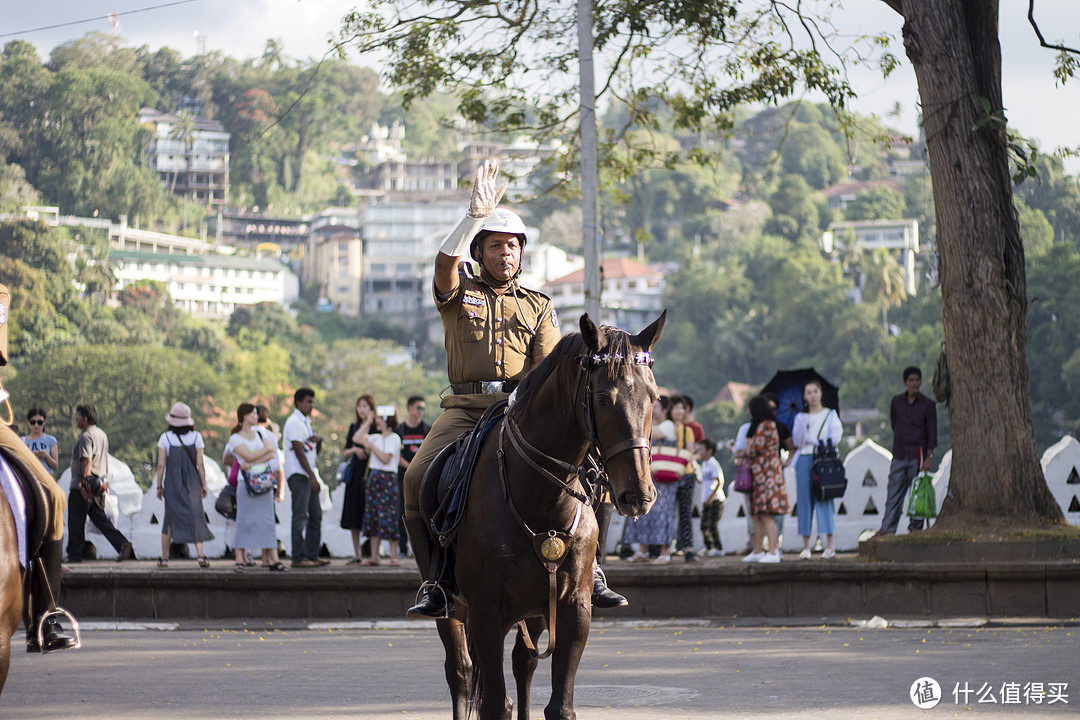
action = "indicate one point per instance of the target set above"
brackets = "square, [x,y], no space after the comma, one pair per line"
[589,333]
[650,335]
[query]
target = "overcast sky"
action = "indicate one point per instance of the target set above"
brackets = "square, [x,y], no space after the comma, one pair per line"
[240,28]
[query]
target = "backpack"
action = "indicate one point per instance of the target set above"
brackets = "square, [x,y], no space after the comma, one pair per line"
[827,477]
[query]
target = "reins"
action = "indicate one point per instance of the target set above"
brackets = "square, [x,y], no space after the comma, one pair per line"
[551,547]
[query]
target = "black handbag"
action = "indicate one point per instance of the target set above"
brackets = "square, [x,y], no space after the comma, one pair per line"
[226,502]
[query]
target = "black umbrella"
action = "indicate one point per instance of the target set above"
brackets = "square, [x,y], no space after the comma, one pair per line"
[788,386]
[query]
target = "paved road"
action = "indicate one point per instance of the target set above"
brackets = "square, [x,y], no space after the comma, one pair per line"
[633,672]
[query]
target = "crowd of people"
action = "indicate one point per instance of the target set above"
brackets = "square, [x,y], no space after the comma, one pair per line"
[495,332]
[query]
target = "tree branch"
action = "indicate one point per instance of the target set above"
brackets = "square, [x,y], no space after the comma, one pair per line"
[1038,32]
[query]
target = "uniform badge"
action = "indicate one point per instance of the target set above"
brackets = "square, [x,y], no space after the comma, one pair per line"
[554,318]
[473,300]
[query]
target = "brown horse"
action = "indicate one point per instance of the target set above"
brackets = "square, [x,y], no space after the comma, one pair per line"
[527,540]
[11,597]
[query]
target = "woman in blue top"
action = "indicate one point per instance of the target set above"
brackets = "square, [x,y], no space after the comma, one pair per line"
[42,445]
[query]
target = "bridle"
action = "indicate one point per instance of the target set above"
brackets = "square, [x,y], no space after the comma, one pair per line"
[552,547]
[592,472]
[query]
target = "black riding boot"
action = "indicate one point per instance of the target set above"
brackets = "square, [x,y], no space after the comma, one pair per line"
[602,595]
[45,588]
[432,598]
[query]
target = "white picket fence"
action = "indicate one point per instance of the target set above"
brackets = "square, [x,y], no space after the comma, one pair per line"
[138,514]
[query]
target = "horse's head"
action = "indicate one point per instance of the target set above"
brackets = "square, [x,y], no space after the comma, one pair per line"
[623,391]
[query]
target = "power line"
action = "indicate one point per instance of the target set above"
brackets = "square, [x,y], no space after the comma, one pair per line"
[95,19]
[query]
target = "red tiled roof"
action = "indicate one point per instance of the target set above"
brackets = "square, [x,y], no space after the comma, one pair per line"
[610,269]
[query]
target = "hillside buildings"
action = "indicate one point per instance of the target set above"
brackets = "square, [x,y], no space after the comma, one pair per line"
[190,155]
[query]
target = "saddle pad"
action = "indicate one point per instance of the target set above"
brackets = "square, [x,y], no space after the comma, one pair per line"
[9,485]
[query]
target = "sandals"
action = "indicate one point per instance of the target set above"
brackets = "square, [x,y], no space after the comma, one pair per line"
[638,557]
[238,567]
[394,563]
[277,567]
[203,562]
[162,563]
[370,563]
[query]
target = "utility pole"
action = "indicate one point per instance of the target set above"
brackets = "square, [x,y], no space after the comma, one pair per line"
[589,207]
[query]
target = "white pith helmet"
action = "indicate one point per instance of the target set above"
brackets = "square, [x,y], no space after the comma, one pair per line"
[500,220]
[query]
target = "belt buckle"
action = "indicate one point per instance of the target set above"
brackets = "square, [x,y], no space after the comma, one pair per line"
[491,386]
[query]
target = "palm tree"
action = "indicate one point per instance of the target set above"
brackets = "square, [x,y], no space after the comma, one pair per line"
[885,279]
[273,56]
[96,271]
[850,254]
[735,333]
[184,132]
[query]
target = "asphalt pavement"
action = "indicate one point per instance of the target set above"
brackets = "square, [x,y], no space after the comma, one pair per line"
[630,671]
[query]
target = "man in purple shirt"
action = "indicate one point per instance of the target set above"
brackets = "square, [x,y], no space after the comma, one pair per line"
[913,417]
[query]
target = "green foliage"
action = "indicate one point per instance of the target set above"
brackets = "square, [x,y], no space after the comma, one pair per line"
[876,203]
[795,210]
[131,386]
[1053,339]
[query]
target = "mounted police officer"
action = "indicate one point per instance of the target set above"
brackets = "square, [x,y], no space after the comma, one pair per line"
[495,332]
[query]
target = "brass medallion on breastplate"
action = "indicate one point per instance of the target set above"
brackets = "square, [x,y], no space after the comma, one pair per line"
[553,548]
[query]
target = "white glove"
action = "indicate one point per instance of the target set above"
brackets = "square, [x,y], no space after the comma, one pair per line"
[485,198]
[485,195]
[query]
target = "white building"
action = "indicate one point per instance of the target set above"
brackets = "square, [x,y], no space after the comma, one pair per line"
[197,169]
[900,236]
[631,294]
[209,286]
[544,262]
[400,242]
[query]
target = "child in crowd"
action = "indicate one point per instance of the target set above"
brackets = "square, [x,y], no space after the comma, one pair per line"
[712,484]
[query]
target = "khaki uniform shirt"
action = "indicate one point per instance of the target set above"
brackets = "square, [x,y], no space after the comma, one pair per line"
[494,337]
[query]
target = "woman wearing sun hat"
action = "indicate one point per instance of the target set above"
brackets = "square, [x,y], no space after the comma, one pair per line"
[181,483]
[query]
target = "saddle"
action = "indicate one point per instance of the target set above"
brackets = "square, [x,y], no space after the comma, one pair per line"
[445,486]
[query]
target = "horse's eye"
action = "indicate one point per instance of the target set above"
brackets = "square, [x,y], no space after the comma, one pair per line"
[607,399]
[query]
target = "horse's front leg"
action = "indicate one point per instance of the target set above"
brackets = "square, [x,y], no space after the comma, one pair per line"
[525,662]
[572,632]
[458,664]
[487,631]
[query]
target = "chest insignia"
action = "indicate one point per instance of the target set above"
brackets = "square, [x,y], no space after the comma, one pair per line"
[474,300]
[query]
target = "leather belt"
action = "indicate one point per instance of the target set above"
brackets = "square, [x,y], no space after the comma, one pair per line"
[485,387]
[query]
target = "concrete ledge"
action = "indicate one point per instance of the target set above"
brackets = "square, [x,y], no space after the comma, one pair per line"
[903,549]
[713,588]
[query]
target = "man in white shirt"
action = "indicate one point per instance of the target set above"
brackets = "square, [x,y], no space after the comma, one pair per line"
[301,446]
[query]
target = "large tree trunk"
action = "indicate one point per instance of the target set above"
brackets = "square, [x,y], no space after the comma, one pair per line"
[996,476]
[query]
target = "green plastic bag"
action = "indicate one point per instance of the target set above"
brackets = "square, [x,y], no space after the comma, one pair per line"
[923,501]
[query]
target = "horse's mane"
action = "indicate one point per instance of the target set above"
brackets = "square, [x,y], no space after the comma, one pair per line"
[563,357]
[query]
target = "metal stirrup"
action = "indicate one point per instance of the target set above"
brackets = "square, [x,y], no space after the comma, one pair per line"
[428,585]
[58,611]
